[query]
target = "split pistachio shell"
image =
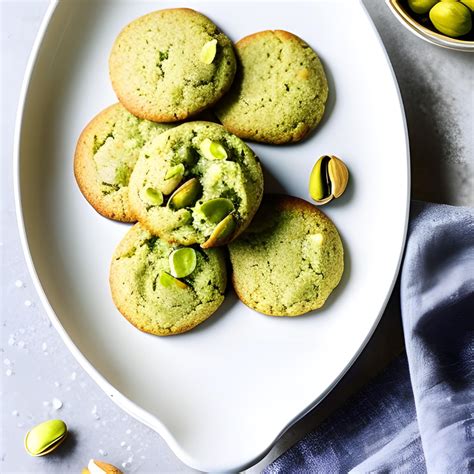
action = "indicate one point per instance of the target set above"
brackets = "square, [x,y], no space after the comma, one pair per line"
[153,197]
[175,171]
[222,233]
[169,281]
[208,52]
[328,179]
[212,150]
[182,262]
[451,18]
[45,437]
[100,467]
[216,209]
[186,195]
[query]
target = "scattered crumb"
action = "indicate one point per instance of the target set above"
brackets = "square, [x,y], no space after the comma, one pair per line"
[28,303]
[8,372]
[73,376]
[57,404]
[123,443]
[6,361]
[15,413]
[19,284]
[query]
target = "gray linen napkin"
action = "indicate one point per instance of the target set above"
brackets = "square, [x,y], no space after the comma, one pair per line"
[418,415]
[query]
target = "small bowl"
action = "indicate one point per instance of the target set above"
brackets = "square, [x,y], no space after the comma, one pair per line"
[404,17]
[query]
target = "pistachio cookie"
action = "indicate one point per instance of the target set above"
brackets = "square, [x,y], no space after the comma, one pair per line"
[106,153]
[280,91]
[163,289]
[171,64]
[196,184]
[289,259]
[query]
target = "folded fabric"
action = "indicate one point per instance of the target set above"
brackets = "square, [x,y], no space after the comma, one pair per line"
[418,415]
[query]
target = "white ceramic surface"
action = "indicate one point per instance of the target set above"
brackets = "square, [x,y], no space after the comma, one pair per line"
[223,393]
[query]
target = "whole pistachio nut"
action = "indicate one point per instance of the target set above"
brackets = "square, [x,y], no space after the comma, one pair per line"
[153,196]
[45,437]
[451,18]
[212,150]
[208,52]
[186,195]
[182,262]
[469,4]
[169,281]
[222,233]
[328,179]
[421,6]
[216,209]
[100,467]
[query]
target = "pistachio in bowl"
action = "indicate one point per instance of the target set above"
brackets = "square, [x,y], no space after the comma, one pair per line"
[446,23]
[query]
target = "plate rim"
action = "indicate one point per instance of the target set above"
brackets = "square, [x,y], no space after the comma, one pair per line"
[117,397]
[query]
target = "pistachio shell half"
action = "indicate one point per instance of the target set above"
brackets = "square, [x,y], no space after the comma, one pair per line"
[186,195]
[216,209]
[45,437]
[328,179]
[182,262]
[208,52]
[212,150]
[169,281]
[222,233]
[100,467]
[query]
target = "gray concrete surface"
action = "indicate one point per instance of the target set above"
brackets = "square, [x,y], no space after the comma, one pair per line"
[39,377]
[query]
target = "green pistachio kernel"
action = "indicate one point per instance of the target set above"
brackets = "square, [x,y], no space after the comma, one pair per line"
[45,437]
[208,52]
[186,195]
[451,18]
[153,197]
[421,6]
[216,209]
[169,281]
[182,262]
[176,171]
[318,181]
[222,233]
[212,150]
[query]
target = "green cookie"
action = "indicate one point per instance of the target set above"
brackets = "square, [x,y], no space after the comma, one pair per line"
[289,259]
[210,181]
[280,91]
[106,153]
[146,293]
[171,64]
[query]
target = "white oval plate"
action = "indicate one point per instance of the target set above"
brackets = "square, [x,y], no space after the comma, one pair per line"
[221,394]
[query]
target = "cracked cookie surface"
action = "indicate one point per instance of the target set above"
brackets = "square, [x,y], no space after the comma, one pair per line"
[280,90]
[289,259]
[137,263]
[236,180]
[156,70]
[105,156]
